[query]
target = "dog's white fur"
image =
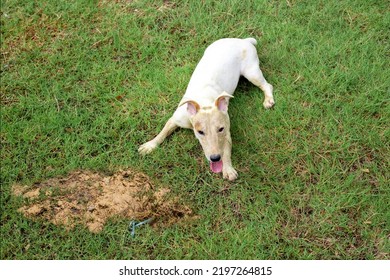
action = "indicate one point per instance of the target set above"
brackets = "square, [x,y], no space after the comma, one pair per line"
[205,102]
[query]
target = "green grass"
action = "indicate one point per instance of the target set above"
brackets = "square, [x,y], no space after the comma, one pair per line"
[84,83]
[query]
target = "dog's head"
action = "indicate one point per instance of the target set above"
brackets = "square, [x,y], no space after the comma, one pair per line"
[211,126]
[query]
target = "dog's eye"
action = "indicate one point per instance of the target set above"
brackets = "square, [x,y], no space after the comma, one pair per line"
[221,129]
[200,132]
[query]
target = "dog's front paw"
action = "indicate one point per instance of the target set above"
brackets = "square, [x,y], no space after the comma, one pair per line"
[147,148]
[229,173]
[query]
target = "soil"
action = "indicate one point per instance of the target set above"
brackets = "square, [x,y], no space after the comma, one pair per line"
[91,198]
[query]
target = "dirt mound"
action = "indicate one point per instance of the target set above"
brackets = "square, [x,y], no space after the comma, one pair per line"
[90,198]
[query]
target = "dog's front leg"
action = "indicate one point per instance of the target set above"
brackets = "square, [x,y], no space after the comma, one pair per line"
[228,171]
[148,147]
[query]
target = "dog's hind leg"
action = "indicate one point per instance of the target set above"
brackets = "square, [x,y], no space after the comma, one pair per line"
[148,147]
[255,76]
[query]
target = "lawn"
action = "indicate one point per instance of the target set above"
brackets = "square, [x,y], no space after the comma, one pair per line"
[84,83]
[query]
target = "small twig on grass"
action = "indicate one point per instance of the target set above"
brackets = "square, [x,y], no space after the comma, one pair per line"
[58,105]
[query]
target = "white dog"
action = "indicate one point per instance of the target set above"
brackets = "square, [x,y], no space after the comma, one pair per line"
[204,106]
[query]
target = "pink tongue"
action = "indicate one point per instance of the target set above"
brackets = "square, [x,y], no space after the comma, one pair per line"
[216,167]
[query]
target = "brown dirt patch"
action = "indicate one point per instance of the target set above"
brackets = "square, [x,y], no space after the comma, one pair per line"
[90,199]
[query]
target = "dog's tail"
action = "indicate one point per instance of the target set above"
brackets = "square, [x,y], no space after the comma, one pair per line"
[252,41]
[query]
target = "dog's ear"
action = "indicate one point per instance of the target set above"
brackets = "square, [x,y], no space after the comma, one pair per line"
[222,101]
[192,107]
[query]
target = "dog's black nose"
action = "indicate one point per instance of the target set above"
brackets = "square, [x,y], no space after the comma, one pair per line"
[215,158]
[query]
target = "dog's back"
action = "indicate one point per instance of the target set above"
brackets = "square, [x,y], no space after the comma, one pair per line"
[220,67]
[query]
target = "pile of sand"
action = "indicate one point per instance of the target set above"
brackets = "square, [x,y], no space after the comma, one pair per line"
[90,198]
